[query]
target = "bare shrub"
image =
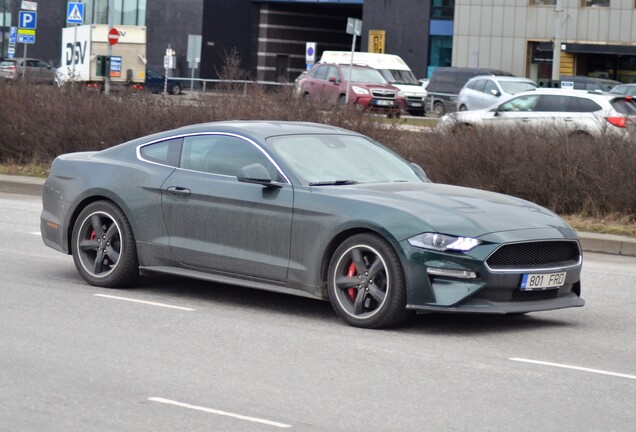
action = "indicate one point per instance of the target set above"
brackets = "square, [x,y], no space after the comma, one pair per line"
[570,175]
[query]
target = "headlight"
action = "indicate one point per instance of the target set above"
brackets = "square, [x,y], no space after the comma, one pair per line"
[401,94]
[443,242]
[359,90]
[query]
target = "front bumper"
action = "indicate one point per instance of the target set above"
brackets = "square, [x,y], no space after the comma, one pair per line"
[375,104]
[486,291]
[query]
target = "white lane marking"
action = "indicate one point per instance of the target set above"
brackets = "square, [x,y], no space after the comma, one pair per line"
[579,368]
[144,302]
[218,412]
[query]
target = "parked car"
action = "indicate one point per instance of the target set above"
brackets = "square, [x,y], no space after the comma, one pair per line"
[310,209]
[34,70]
[483,91]
[369,90]
[590,83]
[625,89]
[574,111]
[155,82]
[393,69]
[445,84]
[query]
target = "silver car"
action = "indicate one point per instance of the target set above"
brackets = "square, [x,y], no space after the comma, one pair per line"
[482,91]
[34,69]
[577,112]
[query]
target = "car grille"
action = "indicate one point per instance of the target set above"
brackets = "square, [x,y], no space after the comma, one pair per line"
[535,255]
[415,98]
[526,296]
[383,94]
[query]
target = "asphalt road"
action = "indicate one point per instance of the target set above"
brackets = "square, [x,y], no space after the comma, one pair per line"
[176,354]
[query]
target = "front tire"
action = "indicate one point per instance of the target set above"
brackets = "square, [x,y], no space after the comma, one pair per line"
[366,283]
[103,246]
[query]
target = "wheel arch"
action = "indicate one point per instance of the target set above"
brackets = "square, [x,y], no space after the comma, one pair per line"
[342,236]
[81,205]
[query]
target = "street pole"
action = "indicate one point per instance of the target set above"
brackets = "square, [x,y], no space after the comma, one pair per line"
[556,53]
[109,52]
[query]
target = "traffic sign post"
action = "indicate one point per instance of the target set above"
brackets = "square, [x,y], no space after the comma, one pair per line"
[75,13]
[354,27]
[27,23]
[310,54]
[113,36]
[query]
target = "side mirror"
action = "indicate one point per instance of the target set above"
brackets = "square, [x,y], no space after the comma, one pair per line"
[333,79]
[257,174]
[495,92]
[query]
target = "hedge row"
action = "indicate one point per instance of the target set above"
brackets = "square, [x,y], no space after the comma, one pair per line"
[582,175]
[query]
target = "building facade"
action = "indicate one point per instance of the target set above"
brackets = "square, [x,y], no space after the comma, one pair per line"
[598,37]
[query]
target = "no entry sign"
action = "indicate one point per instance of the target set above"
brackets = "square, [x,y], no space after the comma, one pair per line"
[113,36]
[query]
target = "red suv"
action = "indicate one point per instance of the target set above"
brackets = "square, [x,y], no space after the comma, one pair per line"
[327,82]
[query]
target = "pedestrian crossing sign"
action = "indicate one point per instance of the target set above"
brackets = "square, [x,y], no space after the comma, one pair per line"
[75,13]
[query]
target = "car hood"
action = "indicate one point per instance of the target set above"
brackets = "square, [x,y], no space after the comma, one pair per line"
[455,210]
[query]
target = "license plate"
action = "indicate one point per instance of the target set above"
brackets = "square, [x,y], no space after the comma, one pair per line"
[384,103]
[415,104]
[540,281]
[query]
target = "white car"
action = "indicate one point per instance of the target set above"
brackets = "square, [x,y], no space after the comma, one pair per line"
[482,91]
[577,112]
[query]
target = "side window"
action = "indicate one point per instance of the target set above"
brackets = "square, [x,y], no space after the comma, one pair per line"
[480,85]
[552,103]
[521,103]
[620,90]
[490,86]
[321,73]
[333,73]
[164,152]
[577,104]
[222,154]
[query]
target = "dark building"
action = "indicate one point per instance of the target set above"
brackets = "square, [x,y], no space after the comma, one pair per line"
[268,36]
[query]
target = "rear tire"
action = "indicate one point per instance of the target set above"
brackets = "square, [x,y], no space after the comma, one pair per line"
[103,246]
[366,283]
[439,109]
[175,89]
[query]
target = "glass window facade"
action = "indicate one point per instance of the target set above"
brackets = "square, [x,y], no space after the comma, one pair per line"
[442,9]
[127,12]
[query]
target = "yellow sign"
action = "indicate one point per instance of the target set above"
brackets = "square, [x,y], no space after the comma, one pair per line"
[26,32]
[376,41]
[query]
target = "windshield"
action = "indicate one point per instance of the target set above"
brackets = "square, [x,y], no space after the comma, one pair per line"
[344,159]
[514,87]
[395,76]
[363,75]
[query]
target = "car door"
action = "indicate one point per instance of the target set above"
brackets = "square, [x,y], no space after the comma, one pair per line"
[219,224]
[515,112]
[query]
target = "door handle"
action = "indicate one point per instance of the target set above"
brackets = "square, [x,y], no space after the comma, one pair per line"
[179,191]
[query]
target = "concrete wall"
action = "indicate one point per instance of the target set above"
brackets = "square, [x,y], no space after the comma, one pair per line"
[495,33]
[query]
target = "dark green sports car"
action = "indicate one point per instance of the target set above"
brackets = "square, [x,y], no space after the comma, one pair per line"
[306,209]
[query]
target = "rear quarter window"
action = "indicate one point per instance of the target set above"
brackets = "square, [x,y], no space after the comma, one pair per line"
[164,152]
[624,105]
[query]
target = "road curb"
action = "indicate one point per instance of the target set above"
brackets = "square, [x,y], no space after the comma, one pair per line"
[590,242]
[21,185]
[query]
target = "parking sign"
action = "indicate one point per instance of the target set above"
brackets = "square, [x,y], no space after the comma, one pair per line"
[27,20]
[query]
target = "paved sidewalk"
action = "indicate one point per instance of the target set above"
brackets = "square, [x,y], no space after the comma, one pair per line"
[591,242]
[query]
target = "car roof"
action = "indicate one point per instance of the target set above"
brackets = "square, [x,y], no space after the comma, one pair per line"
[254,129]
[501,78]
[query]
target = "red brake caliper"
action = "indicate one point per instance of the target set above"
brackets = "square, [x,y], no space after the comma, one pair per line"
[353,291]
[93,235]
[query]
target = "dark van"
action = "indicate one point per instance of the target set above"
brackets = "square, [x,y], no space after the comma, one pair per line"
[445,84]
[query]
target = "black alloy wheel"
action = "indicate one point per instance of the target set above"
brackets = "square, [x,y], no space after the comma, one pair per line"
[366,283]
[103,246]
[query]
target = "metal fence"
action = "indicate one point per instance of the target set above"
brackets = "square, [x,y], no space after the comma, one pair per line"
[220,85]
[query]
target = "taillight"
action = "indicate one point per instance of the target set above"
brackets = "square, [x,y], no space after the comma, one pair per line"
[620,122]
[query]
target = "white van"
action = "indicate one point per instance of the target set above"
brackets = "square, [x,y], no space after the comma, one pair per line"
[394,70]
